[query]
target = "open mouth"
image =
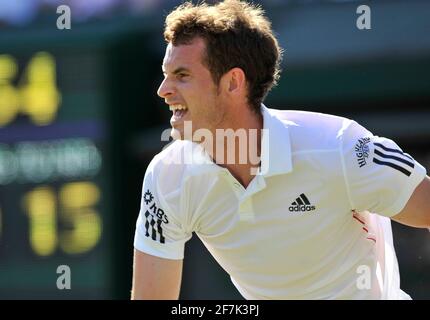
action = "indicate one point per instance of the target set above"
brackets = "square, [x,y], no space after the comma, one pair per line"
[179,111]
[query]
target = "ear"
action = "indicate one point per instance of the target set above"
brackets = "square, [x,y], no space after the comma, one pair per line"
[234,81]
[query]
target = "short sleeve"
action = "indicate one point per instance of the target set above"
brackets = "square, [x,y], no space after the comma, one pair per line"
[380,177]
[159,231]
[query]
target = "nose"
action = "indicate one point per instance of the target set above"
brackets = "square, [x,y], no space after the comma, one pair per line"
[165,89]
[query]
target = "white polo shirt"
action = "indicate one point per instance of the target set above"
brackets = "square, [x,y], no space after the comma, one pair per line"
[301,229]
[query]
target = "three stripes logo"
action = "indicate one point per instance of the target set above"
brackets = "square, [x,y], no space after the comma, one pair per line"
[301,204]
[393,158]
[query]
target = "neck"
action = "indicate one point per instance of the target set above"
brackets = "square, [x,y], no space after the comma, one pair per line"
[237,146]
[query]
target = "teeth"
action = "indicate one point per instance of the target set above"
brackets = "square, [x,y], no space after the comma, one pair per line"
[177,107]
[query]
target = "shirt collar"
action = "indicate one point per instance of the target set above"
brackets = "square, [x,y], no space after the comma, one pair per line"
[276,155]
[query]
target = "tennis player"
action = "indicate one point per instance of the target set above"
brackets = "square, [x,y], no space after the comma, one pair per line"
[303,213]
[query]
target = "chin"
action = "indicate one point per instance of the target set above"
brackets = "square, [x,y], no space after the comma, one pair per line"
[177,133]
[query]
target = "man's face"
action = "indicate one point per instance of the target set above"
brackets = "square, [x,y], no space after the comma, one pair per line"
[189,90]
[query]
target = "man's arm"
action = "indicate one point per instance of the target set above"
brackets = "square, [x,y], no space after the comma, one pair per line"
[417,211]
[155,278]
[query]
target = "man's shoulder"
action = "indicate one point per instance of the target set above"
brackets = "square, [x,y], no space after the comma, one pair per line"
[177,161]
[171,157]
[308,120]
[313,130]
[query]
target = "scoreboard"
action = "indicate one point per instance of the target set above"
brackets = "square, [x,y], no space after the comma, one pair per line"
[53,176]
[64,122]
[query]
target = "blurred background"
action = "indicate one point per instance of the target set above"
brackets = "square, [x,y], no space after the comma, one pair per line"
[80,120]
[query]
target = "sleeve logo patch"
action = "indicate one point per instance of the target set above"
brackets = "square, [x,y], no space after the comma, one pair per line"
[155,217]
[148,197]
[362,151]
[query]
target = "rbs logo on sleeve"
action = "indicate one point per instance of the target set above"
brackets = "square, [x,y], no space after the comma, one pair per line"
[155,217]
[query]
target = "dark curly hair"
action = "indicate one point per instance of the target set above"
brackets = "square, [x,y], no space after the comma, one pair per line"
[237,34]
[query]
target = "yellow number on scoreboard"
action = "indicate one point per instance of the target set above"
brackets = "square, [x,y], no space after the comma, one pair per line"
[40,204]
[83,225]
[36,95]
[77,200]
[9,102]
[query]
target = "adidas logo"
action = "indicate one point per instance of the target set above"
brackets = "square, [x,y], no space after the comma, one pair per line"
[301,204]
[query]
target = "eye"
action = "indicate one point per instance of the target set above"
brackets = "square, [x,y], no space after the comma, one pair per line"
[181,76]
